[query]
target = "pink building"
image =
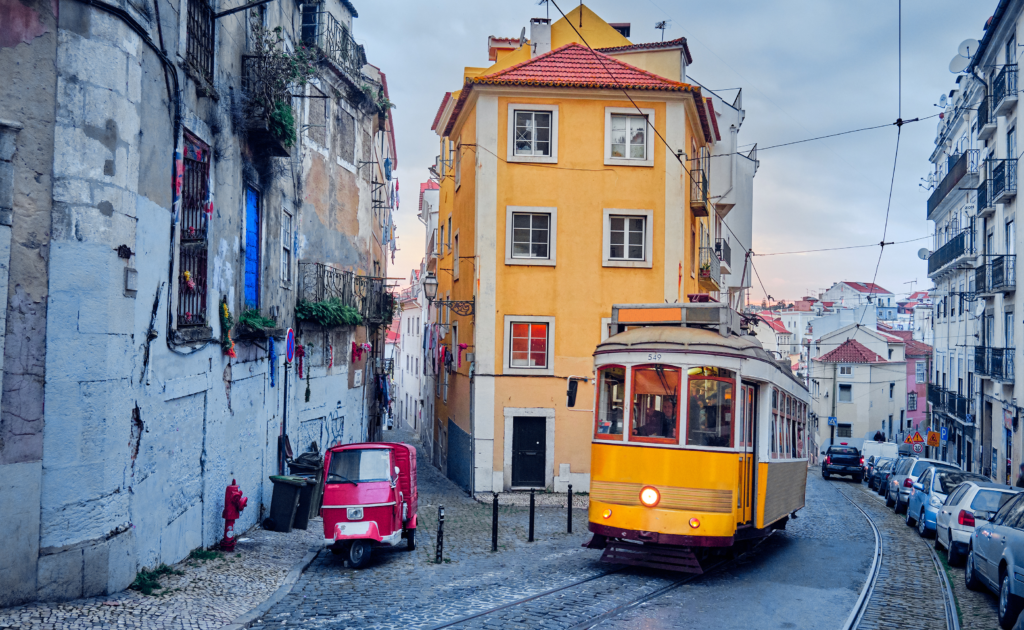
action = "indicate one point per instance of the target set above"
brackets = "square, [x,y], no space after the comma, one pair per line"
[919,357]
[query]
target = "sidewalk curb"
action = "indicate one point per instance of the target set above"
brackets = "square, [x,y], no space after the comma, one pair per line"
[245,620]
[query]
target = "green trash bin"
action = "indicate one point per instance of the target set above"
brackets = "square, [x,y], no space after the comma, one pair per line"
[305,498]
[283,503]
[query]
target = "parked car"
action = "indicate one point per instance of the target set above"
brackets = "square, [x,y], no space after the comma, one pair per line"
[929,492]
[883,477]
[903,477]
[888,450]
[875,472]
[972,504]
[843,460]
[995,557]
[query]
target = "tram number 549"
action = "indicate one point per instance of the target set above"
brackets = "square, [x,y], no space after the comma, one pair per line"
[654,356]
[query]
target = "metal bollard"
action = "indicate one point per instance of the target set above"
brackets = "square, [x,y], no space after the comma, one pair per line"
[440,534]
[531,514]
[494,524]
[570,508]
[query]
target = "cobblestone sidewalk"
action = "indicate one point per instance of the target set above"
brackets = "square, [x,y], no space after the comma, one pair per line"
[207,594]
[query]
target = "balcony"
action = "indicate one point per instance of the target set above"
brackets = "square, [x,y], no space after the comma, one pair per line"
[964,165]
[986,121]
[935,395]
[319,282]
[1004,90]
[724,253]
[699,202]
[981,279]
[1002,180]
[957,405]
[264,93]
[984,201]
[709,277]
[322,30]
[960,247]
[1002,273]
[994,363]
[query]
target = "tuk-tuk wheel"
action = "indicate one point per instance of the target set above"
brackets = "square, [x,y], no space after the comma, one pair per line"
[359,553]
[410,538]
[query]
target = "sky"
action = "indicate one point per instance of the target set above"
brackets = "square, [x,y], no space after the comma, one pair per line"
[807,68]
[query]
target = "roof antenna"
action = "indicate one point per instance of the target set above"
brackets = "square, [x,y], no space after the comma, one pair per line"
[547,8]
[581,13]
[661,26]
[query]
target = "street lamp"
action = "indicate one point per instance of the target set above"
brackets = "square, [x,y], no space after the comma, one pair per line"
[459,307]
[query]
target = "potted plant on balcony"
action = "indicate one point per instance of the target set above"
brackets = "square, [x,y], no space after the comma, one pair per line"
[269,73]
[329,313]
[705,270]
[253,326]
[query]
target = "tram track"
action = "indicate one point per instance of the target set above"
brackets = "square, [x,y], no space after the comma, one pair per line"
[865,601]
[595,620]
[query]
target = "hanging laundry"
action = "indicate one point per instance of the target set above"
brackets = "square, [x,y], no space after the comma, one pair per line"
[462,346]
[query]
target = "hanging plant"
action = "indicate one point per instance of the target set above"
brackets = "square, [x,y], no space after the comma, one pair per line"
[226,343]
[330,313]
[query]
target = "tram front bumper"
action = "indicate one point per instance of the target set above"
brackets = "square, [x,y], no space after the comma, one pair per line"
[662,526]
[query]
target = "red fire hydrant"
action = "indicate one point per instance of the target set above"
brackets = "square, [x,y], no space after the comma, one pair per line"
[234,503]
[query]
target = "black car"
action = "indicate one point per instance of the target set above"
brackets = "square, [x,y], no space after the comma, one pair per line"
[877,472]
[843,460]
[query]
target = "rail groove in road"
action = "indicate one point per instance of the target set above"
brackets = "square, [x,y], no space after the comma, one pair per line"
[906,586]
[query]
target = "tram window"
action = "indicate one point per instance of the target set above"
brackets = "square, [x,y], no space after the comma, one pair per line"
[611,402]
[655,403]
[775,443]
[710,416]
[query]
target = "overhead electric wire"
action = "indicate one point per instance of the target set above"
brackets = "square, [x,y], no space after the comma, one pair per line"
[832,249]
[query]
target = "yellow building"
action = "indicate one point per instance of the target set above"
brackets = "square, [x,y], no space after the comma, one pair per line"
[573,178]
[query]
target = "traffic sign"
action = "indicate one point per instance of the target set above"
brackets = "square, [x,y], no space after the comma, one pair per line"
[289,345]
[944,433]
[933,438]
[916,438]
[833,421]
[919,448]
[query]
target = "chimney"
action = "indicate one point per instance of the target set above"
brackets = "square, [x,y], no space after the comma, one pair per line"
[540,36]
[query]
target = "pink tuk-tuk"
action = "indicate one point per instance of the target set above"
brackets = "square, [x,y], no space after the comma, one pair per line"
[369,498]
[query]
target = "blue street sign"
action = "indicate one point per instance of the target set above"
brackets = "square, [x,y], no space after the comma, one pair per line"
[833,421]
[944,433]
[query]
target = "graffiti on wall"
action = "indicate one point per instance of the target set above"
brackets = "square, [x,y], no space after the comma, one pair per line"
[326,432]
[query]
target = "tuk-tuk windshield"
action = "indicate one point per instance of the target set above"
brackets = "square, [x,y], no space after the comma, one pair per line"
[359,465]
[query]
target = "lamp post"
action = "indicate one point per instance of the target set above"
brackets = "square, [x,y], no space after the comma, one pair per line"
[459,307]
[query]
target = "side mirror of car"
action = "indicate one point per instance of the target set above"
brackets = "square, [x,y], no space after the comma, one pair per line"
[397,470]
[918,486]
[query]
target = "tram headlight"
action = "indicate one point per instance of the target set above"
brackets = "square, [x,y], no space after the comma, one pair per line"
[606,514]
[650,496]
[695,522]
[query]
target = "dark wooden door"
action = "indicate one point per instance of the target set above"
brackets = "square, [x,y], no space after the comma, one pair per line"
[528,451]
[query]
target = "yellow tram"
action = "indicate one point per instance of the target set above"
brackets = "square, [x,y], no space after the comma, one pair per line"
[700,436]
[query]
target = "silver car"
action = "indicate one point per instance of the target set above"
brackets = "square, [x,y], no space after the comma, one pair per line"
[995,559]
[902,480]
[972,504]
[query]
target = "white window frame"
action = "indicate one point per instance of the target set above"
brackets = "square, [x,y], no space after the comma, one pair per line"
[606,238]
[455,256]
[920,373]
[549,369]
[287,244]
[839,393]
[848,372]
[510,145]
[552,235]
[648,136]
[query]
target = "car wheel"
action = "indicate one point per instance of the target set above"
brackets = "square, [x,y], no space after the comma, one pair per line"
[824,475]
[858,478]
[1009,604]
[900,507]
[952,553]
[888,499]
[911,521]
[359,553]
[410,539]
[971,579]
[922,527]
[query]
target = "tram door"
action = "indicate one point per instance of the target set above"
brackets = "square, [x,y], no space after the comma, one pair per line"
[748,422]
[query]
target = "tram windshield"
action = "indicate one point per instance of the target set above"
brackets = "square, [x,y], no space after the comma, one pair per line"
[655,403]
[611,401]
[711,411]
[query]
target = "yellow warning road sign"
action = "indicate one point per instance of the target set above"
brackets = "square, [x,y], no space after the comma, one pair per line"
[916,438]
[933,438]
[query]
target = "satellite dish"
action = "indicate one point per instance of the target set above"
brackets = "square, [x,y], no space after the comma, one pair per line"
[942,101]
[958,64]
[968,48]
[978,312]
[923,253]
[522,36]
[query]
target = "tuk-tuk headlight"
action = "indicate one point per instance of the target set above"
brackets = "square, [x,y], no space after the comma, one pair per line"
[354,514]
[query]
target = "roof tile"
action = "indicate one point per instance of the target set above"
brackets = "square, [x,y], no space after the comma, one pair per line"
[851,351]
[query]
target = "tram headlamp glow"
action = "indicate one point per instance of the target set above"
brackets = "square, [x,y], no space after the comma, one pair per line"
[695,522]
[606,514]
[650,496]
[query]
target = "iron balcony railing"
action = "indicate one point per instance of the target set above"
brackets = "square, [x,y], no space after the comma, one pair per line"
[699,187]
[322,30]
[960,245]
[1004,89]
[935,395]
[996,363]
[985,117]
[964,164]
[710,267]
[984,201]
[1002,272]
[957,405]
[981,279]
[724,251]
[319,282]
[1002,179]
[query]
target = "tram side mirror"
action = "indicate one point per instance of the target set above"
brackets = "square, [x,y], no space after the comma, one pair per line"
[571,393]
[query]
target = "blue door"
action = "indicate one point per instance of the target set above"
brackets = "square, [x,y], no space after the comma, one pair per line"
[252,248]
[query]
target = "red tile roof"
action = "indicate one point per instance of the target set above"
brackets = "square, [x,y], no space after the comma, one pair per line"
[425,186]
[915,349]
[866,287]
[672,43]
[776,325]
[851,351]
[714,119]
[576,66]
